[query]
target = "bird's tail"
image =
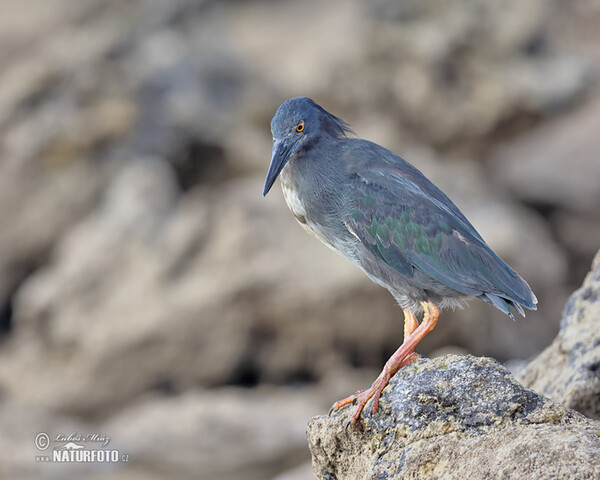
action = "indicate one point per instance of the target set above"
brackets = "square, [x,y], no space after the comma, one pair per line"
[517,298]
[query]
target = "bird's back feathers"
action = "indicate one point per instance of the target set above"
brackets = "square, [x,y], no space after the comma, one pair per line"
[405,220]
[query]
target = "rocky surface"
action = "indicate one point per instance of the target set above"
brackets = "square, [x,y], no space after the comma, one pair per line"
[468,417]
[568,371]
[457,417]
[138,259]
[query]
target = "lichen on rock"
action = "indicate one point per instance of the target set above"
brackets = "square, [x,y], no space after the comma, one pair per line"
[457,417]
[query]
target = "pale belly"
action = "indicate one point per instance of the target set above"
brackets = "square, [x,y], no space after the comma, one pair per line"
[298,209]
[343,247]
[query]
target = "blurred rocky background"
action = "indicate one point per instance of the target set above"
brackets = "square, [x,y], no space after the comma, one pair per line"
[149,293]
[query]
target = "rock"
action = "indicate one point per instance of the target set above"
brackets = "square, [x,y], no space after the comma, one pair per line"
[89,263]
[264,431]
[447,73]
[303,472]
[457,417]
[20,424]
[557,164]
[555,168]
[457,73]
[83,89]
[49,202]
[568,371]
[175,292]
[232,433]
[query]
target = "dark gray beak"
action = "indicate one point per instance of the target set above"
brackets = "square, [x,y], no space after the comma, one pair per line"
[279,158]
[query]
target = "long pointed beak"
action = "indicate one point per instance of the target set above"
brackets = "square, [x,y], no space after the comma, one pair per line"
[279,158]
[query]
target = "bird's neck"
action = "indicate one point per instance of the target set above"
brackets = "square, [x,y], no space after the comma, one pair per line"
[313,185]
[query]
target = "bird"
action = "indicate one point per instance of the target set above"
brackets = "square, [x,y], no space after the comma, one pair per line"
[380,212]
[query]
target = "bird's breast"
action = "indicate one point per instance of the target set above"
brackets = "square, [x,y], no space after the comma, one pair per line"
[298,206]
[295,204]
[309,220]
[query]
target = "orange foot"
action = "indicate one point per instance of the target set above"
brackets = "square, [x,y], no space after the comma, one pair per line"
[413,333]
[361,397]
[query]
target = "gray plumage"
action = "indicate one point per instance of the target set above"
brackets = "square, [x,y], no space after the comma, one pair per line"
[374,208]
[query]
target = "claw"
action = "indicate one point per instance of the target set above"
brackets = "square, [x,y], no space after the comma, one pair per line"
[342,403]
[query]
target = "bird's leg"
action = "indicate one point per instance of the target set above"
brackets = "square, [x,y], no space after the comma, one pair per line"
[410,323]
[401,357]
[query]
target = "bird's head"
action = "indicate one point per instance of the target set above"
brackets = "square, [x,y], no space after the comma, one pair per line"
[297,126]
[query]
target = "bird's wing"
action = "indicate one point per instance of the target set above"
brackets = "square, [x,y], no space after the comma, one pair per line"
[405,220]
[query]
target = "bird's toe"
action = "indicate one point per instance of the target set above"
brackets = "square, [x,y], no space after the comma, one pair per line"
[342,403]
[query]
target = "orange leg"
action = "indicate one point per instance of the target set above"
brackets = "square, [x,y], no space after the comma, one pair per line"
[401,357]
[410,323]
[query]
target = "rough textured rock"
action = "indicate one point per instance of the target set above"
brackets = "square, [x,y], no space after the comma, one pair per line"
[137,256]
[568,371]
[457,417]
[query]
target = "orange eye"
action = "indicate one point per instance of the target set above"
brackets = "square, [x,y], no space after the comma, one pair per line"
[300,127]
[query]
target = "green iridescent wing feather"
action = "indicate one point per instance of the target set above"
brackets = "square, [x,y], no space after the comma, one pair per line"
[406,221]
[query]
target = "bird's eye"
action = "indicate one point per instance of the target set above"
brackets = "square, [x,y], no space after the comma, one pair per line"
[300,127]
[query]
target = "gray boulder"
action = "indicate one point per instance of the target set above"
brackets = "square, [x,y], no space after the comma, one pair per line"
[457,417]
[568,371]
